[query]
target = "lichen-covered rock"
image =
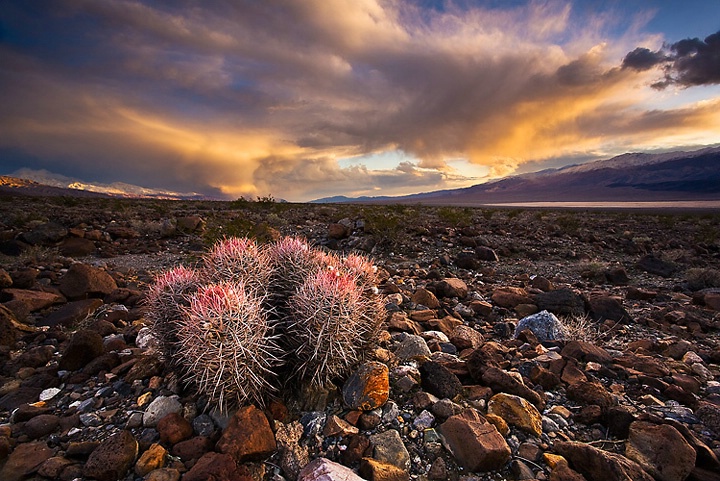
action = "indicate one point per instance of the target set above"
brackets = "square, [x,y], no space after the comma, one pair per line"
[368,387]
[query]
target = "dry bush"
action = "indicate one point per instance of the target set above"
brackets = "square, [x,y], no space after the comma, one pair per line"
[702,278]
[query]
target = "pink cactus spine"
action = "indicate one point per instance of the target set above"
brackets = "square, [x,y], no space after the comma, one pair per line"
[225,345]
[328,331]
[234,258]
[165,303]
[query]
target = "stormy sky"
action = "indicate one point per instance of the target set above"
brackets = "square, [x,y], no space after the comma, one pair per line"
[302,99]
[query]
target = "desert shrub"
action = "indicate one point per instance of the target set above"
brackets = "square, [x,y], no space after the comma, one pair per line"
[456,216]
[385,225]
[252,315]
[569,223]
[581,328]
[702,278]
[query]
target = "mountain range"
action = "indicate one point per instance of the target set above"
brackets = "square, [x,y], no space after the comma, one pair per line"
[632,177]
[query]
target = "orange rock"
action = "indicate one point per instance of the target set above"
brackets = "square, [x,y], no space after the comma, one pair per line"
[368,388]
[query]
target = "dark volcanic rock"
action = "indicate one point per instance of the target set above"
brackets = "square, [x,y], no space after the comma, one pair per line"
[598,465]
[82,280]
[608,308]
[657,266]
[85,345]
[112,459]
[71,313]
[25,460]
[439,380]
[562,302]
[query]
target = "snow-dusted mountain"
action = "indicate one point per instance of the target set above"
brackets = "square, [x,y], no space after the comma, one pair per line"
[44,183]
[635,177]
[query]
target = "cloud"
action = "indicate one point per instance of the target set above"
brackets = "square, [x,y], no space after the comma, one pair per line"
[256,98]
[687,63]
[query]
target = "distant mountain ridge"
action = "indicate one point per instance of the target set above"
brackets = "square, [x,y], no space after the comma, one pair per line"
[632,177]
[10,185]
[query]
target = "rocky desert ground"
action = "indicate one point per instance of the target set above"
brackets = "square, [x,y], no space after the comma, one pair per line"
[624,385]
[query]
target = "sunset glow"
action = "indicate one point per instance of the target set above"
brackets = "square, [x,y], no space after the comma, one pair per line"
[307,99]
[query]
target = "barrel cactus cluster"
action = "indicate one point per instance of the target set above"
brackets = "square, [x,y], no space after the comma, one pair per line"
[255,320]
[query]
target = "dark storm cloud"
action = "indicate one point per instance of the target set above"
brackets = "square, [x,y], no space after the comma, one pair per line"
[643,58]
[687,63]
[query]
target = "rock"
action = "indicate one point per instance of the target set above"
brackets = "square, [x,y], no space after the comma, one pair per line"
[174,428]
[45,234]
[374,470]
[214,466]
[322,469]
[603,308]
[190,223]
[36,357]
[475,443]
[486,254]
[160,407]
[248,437]
[586,352]
[562,472]
[598,465]
[657,266]
[439,380]
[590,392]
[616,276]
[53,467]
[411,347]
[293,454]
[468,260]
[562,302]
[425,298]
[193,448]
[71,313]
[25,460]
[41,425]
[356,449]
[502,381]
[544,325]
[24,278]
[618,420]
[85,345]
[150,460]
[31,300]
[388,447]
[465,337]
[163,474]
[77,247]
[509,297]
[5,279]
[639,294]
[368,387]
[82,281]
[709,414]
[516,411]
[335,426]
[660,450]
[338,231]
[8,333]
[112,459]
[452,287]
